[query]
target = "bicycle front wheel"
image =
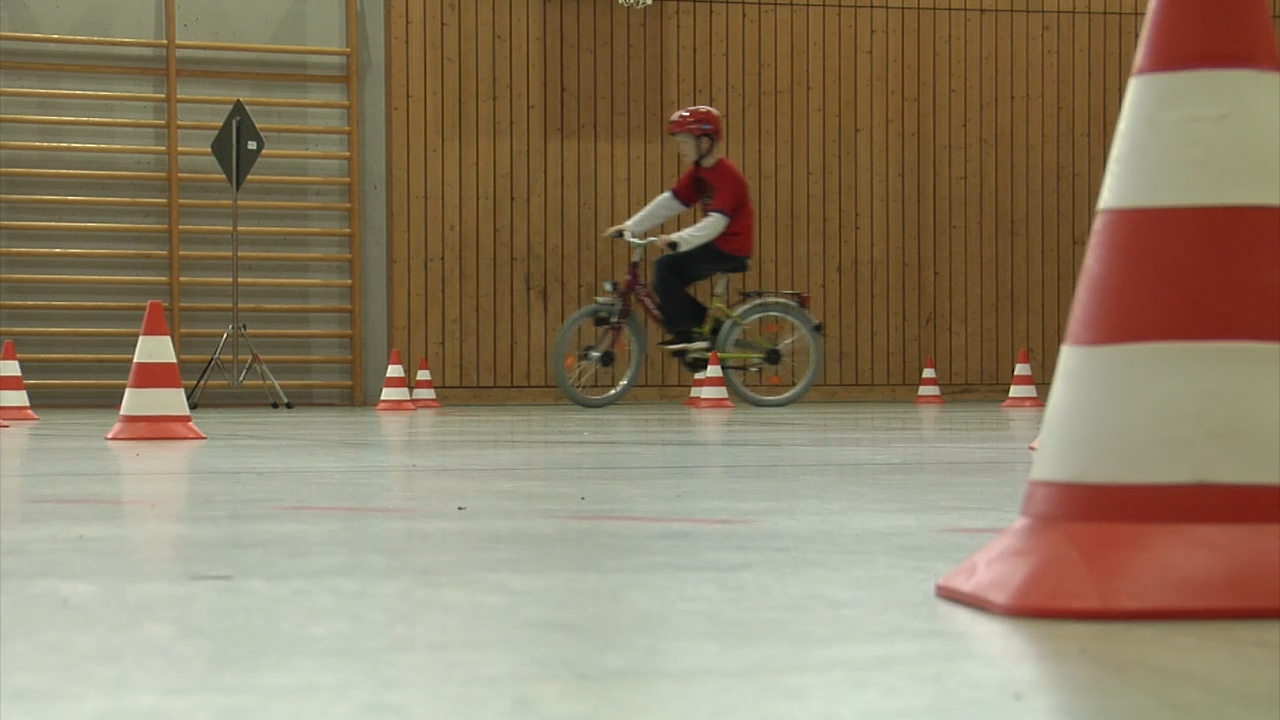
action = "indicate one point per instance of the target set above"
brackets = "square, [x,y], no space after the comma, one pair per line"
[771,354]
[596,358]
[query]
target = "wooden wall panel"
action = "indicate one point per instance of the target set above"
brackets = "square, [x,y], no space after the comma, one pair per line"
[928,173]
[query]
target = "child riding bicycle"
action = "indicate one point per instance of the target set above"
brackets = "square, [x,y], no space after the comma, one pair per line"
[721,242]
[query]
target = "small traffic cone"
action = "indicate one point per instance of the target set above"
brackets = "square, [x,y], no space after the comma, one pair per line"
[424,392]
[14,403]
[695,390]
[929,392]
[154,405]
[714,394]
[1022,391]
[395,388]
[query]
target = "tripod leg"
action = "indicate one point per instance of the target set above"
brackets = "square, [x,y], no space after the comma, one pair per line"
[193,398]
[255,363]
[268,383]
[253,355]
[268,380]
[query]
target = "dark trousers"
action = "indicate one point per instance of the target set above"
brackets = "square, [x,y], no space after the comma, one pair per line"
[674,272]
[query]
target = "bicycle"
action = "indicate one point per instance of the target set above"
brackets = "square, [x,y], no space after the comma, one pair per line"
[618,329]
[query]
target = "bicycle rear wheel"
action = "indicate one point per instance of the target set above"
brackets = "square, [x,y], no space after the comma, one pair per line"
[595,359]
[785,350]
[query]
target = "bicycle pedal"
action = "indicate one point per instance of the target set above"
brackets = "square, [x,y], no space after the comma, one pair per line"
[695,365]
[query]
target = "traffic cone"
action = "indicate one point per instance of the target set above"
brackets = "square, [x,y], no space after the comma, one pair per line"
[929,392]
[154,405]
[14,403]
[424,391]
[695,390]
[714,394]
[1022,391]
[395,388]
[1156,493]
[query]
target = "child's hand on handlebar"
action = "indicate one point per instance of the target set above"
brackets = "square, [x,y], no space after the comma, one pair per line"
[664,241]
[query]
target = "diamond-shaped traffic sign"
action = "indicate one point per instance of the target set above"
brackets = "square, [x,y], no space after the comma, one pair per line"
[246,146]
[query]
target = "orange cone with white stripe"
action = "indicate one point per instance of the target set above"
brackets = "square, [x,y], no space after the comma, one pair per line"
[1022,390]
[929,393]
[424,391]
[154,405]
[695,390]
[714,394]
[395,387]
[1156,492]
[14,403]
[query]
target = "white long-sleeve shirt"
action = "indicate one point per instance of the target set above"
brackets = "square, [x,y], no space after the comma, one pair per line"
[664,207]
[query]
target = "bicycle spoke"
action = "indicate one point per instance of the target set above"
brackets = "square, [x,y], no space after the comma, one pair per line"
[577,371]
[788,342]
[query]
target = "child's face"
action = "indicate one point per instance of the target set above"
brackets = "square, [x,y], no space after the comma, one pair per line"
[688,147]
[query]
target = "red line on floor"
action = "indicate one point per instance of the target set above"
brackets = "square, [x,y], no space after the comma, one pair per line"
[656,520]
[342,508]
[88,501]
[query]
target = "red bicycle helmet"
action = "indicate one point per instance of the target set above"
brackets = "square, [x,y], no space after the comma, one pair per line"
[696,120]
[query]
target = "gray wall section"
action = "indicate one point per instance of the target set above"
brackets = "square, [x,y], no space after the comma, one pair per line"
[300,22]
[373,175]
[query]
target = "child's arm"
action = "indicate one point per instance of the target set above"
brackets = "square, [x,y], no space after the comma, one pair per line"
[701,232]
[662,208]
[659,210]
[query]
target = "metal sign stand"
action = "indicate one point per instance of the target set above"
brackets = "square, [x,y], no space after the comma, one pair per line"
[227,150]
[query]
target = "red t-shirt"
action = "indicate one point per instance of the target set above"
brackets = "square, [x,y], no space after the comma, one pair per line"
[722,189]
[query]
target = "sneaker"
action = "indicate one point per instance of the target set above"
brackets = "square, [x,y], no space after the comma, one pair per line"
[684,341]
[676,341]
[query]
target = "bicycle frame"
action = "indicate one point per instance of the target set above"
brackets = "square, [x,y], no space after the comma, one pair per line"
[635,286]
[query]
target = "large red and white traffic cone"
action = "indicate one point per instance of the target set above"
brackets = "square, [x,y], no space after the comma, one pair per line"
[1022,389]
[154,405]
[424,390]
[14,403]
[395,387]
[929,392]
[1156,492]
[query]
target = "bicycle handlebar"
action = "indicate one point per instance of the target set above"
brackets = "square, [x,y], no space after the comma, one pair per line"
[635,241]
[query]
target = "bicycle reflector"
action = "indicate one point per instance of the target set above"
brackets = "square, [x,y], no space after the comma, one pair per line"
[804,300]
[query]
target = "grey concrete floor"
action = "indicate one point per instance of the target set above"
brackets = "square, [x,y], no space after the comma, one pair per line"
[640,561]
